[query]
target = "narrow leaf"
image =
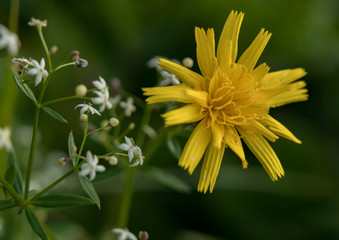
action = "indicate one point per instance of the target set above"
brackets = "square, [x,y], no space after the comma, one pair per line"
[166,179]
[35,224]
[5,204]
[174,147]
[24,87]
[89,189]
[18,182]
[71,143]
[62,200]
[10,174]
[48,231]
[54,114]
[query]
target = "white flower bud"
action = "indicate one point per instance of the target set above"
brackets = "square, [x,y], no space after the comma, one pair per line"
[114,122]
[131,126]
[74,149]
[81,90]
[53,50]
[81,63]
[83,118]
[188,62]
[112,160]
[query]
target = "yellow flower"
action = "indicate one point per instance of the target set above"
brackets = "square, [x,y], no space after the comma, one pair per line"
[230,101]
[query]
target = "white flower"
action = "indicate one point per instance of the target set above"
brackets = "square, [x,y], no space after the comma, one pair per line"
[100,84]
[124,234]
[128,106]
[37,22]
[38,70]
[139,157]
[9,40]
[102,99]
[169,79]
[87,107]
[91,166]
[5,141]
[153,63]
[132,151]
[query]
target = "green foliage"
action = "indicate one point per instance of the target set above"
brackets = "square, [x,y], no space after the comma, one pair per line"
[61,200]
[54,114]
[24,87]
[89,189]
[35,223]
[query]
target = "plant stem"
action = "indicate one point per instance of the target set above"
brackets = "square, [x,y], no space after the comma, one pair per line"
[10,189]
[59,180]
[64,99]
[126,199]
[64,65]
[45,48]
[82,144]
[31,152]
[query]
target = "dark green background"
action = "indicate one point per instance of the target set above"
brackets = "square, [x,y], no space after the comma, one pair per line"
[119,37]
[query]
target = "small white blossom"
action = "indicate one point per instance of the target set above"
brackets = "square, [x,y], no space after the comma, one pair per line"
[9,40]
[100,84]
[38,70]
[102,99]
[87,107]
[91,166]
[124,234]
[128,106]
[132,151]
[169,79]
[5,139]
[37,22]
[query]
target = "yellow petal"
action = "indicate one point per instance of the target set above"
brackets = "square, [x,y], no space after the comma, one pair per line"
[167,94]
[294,92]
[206,51]
[257,128]
[217,134]
[195,147]
[230,33]
[260,72]
[283,77]
[279,129]
[187,114]
[190,78]
[199,97]
[210,168]
[232,140]
[264,153]
[250,57]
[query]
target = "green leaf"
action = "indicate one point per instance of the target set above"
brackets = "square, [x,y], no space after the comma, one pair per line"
[54,114]
[24,87]
[10,174]
[71,143]
[5,204]
[17,182]
[48,231]
[62,200]
[174,146]
[166,179]
[89,189]
[35,224]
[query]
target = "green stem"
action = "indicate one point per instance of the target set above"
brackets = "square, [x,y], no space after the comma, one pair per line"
[126,199]
[33,141]
[144,121]
[45,48]
[82,144]
[64,65]
[11,190]
[59,180]
[31,152]
[14,16]
[65,99]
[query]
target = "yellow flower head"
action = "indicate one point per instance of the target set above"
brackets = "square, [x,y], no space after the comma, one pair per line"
[230,100]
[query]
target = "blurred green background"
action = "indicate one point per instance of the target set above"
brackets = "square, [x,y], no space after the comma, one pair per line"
[118,37]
